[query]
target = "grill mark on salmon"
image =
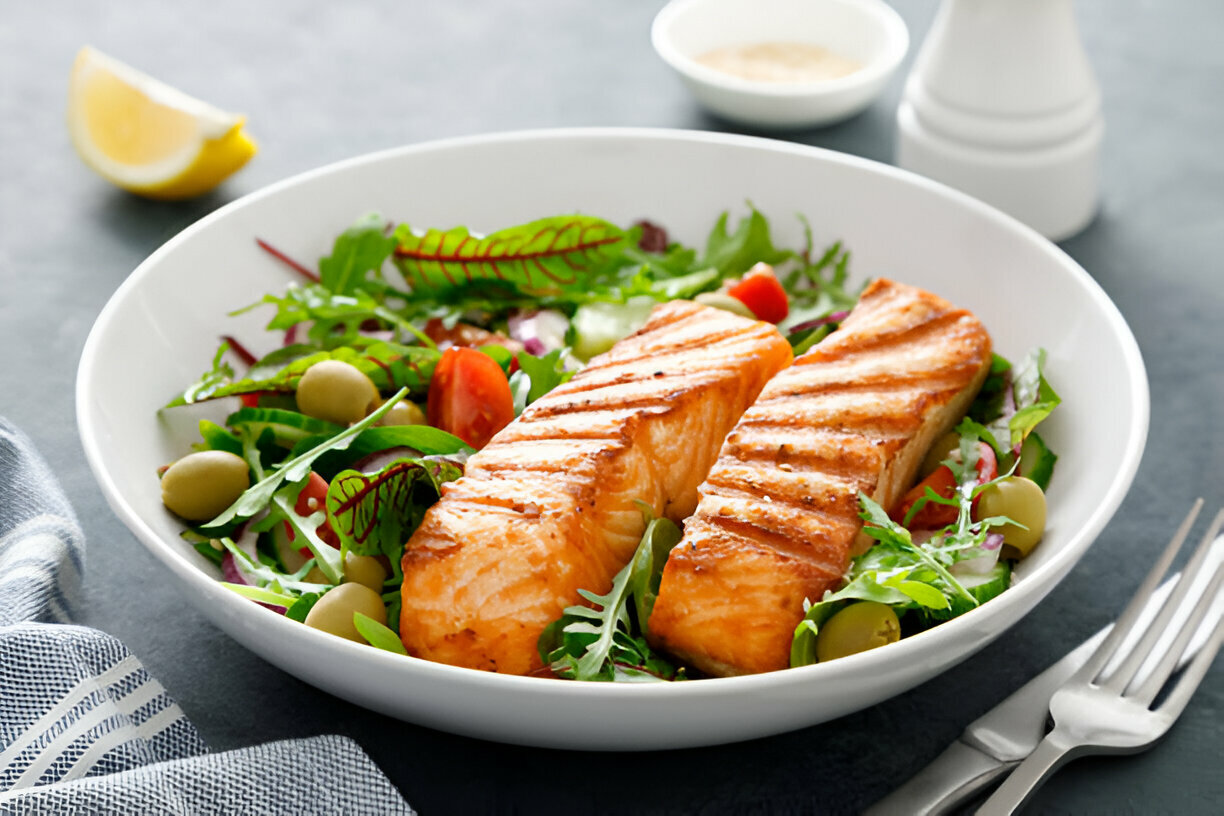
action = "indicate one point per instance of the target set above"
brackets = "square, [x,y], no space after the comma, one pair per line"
[548,506]
[778,515]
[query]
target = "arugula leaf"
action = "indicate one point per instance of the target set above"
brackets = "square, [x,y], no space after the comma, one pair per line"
[260,494]
[378,635]
[338,319]
[216,377]
[608,614]
[900,573]
[358,251]
[329,560]
[736,252]
[601,642]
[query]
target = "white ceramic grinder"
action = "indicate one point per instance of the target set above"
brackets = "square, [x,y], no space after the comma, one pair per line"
[1002,104]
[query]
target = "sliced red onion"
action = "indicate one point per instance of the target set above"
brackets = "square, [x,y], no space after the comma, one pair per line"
[993,541]
[979,564]
[378,460]
[291,335]
[386,335]
[835,317]
[230,571]
[1008,408]
[539,332]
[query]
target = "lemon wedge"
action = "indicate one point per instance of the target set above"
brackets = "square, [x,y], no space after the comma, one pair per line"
[147,137]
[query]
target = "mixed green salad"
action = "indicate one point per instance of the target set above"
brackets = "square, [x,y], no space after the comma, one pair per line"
[405,350]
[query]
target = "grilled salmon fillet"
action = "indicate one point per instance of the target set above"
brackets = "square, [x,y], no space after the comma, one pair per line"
[549,505]
[778,514]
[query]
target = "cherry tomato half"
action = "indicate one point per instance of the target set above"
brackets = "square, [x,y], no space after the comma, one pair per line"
[932,515]
[469,396]
[761,292]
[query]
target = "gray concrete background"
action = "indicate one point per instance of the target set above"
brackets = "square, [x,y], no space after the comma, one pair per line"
[325,81]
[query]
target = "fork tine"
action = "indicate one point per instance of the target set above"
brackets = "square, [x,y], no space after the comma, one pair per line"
[1160,673]
[1172,706]
[1121,678]
[1093,665]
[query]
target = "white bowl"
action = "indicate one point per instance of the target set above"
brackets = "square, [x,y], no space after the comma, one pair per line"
[866,31]
[159,330]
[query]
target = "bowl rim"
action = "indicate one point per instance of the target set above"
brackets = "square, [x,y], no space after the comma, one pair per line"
[909,649]
[896,36]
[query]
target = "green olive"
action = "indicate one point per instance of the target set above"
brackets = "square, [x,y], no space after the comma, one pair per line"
[721,300]
[944,448]
[335,391]
[366,570]
[1021,500]
[860,626]
[201,485]
[403,413]
[334,611]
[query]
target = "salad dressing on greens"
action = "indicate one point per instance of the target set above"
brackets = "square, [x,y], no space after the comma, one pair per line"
[337,483]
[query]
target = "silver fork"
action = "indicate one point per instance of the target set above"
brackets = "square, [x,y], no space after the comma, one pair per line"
[1110,712]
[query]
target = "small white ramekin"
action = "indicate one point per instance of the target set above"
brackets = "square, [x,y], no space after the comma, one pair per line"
[867,31]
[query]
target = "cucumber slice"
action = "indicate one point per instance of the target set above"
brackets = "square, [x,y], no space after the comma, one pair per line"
[982,587]
[598,325]
[1036,460]
[989,584]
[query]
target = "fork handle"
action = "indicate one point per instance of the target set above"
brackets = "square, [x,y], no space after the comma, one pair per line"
[1019,786]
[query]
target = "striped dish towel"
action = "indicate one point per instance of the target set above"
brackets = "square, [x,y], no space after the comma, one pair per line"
[85,729]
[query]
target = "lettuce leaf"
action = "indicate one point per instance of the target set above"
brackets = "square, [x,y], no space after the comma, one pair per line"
[357,256]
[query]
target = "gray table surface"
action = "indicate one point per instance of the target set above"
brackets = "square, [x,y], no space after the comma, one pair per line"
[325,81]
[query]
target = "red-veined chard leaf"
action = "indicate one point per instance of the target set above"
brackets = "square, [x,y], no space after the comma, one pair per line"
[546,256]
[376,513]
